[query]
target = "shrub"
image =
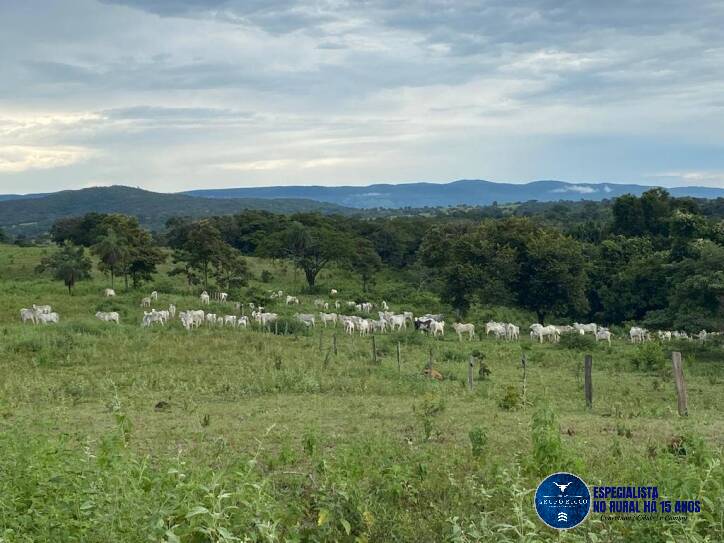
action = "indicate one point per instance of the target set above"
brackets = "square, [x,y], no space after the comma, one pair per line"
[548,455]
[648,356]
[511,398]
[290,326]
[577,342]
[266,276]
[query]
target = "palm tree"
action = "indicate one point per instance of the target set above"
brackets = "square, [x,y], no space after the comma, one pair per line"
[112,251]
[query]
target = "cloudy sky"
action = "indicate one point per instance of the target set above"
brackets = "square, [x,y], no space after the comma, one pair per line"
[178,94]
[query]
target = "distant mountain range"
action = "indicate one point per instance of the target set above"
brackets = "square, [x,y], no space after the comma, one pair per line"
[32,214]
[35,213]
[470,192]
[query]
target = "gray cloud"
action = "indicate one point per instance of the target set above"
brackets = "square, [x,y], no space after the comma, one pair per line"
[177,93]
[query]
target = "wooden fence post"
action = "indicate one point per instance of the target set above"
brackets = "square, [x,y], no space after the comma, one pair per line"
[523,363]
[681,395]
[471,362]
[429,365]
[374,350]
[334,343]
[320,340]
[587,383]
[276,328]
[398,358]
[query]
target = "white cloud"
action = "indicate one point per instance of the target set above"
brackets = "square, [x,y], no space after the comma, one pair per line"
[577,188]
[19,158]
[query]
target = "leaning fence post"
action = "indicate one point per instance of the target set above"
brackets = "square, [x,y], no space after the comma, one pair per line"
[398,358]
[374,350]
[681,395]
[320,340]
[587,382]
[470,372]
[334,343]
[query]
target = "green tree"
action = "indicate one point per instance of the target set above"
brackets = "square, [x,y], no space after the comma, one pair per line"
[310,248]
[113,252]
[365,261]
[69,264]
[3,236]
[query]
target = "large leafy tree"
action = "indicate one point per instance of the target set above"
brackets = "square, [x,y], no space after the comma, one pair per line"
[310,248]
[364,261]
[68,264]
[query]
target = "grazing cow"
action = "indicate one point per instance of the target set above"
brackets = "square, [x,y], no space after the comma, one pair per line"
[319,303]
[109,293]
[437,328]
[328,317]
[422,324]
[172,310]
[431,372]
[336,304]
[364,326]
[664,335]
[351,304]
[583,328]
[210,318]
[186,319]
[348,324]
[498,328]
[306,318]
[42,308]
[154,295]
[512,332]
[703,335]
[223,296]
[385,307]
[333,292]
[461,329]
[602,334]
[492,326]
[146,302]
[541,332]
[230,320]
[28,315]
[48,318]
[242,321]
[397,322]
[205,299]
[637,334]
[292,300]
[151,317]
[379,326]
[108,316]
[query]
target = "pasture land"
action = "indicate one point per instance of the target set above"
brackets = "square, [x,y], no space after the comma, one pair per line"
[118,433]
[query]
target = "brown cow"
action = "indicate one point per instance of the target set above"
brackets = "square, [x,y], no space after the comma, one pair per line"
[433,373]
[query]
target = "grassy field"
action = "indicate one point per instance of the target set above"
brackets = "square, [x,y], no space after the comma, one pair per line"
[118,433]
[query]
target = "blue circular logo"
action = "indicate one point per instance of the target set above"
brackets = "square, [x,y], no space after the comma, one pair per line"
[562,501]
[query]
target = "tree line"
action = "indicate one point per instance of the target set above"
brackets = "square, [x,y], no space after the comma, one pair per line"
[652,259]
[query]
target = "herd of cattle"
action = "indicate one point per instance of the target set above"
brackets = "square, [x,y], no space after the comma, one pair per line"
[434,324]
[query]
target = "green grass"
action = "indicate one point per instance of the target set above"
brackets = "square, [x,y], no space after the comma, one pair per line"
[117,433]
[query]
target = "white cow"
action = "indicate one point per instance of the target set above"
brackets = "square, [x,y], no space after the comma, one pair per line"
[319,303]
[230,320]
[336,304]
[48,318]
[637,334]
[292,300]
[172,310]
[664,335]
[205,299]
[397,322]
[492,326]
[210,318]
[223,296]
[333,292]
[146,302]
[109,293]
[242,321]
[108,316]
[328,317]
[583,328]
[154,295]
[42,308]
[151,317]
[306,318]
[437,328]
[348,324]
[461,329]
[541,332]
[602,334]
[28,315]
[512,332]
[385,307]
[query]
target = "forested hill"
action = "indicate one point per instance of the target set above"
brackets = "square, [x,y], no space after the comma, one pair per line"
[473,192]
[32,215]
